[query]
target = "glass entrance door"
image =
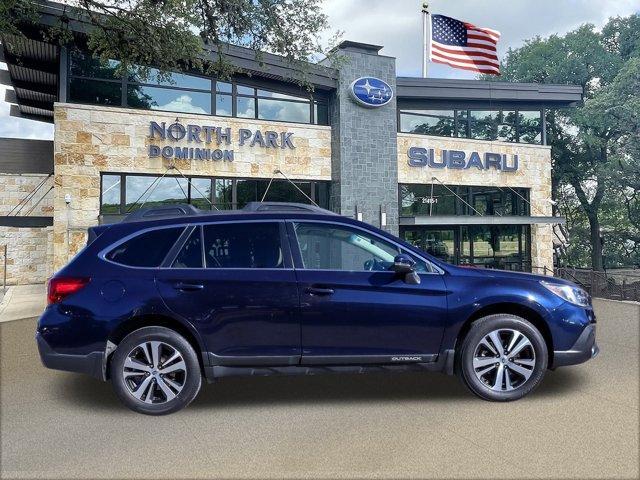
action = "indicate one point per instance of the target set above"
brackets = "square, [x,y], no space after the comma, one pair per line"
[505,247]
[439,242]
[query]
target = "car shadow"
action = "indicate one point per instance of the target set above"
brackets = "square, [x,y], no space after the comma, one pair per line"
[86,392]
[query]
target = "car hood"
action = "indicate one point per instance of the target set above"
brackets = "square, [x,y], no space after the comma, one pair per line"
[506,275]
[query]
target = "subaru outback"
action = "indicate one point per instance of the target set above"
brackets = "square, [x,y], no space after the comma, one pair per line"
[172,296]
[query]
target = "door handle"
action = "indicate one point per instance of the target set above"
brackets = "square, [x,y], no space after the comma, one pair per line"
[319,291]
[188,286]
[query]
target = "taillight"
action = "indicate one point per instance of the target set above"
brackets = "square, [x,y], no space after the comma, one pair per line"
[62,287]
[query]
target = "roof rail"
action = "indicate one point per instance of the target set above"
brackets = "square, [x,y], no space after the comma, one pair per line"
[284,207]
[164,211]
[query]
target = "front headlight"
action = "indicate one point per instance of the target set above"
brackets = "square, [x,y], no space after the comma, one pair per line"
[571,294]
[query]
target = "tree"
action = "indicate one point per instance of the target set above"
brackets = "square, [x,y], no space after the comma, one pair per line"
[594,146]
[172,35]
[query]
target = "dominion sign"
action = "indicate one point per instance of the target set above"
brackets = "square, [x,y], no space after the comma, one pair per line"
[200,136]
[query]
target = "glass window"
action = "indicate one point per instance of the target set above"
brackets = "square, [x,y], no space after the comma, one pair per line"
[224,105]
[224,87]
[242,90]
[428,122]
[484,125]
[83,64]
[267,93]
[95,92]
[439,243]
[418,200]
[153,191]
[152,75]
[247,191]
[497,246]
[245,107]
[529,127]
[323,191]
[243,245]
[157,98]
[147,249]
[462,119]
[321,113]
[223,194]
[506,122]
[285,111]
[190,256]
[201,193]
[110,201]
[332,247]
[284,191]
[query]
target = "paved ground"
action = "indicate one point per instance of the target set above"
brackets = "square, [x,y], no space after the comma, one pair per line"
[581,423]
[23,301]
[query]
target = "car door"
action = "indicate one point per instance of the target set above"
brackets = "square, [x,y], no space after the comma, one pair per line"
[235,283]
[353,308]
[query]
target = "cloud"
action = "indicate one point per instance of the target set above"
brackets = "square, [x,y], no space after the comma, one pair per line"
[183,103]
[397,25]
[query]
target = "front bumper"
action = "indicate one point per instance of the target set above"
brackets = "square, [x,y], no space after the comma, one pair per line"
[91,364]
[584,349]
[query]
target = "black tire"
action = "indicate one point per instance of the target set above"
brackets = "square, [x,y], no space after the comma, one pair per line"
[190,380]
[487,386]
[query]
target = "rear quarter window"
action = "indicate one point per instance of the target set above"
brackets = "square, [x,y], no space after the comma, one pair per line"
[148,249]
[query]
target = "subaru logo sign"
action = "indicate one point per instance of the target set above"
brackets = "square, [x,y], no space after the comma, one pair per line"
[371,92]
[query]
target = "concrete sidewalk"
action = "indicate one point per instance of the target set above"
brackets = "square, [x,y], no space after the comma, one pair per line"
[23,301]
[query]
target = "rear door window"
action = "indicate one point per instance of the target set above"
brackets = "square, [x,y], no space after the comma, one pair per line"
[190,255]
[148,249]
[243,245]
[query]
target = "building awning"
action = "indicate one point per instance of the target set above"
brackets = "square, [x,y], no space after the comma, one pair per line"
[480,220]
[475,93]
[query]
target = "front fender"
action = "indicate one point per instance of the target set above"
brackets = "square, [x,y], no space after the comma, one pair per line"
[472,294]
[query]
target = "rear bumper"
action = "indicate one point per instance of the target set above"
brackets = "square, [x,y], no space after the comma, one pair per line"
[91,364]
[584,349]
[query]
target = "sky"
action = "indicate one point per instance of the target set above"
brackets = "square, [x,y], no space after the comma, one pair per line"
[397,25]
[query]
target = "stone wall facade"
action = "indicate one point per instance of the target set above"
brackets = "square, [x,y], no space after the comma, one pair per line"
[16,188]
[89,140]
[534,173]
[29,250]
[29,254]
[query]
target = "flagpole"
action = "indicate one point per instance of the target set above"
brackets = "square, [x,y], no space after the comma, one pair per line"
[426,37]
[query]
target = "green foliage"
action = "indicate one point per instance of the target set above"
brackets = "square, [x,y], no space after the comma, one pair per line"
[596,146]
[172,35]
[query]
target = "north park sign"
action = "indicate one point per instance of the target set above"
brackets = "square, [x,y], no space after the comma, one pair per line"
[201,135]
[457,159]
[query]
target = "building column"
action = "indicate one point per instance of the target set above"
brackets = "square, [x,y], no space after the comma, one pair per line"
[364,140]
[542,248]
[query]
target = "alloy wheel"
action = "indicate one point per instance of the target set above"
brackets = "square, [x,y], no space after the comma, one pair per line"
[154,372]
[504,359]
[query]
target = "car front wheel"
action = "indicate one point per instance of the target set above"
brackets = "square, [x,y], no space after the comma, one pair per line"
[503,357]
[155,371]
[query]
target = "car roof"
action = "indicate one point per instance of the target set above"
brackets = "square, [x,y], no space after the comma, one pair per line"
[183,211]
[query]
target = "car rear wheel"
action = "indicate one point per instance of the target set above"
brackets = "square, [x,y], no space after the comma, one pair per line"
[503,357]
[155,371]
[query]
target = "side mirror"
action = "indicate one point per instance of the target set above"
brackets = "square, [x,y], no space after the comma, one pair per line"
[405,265]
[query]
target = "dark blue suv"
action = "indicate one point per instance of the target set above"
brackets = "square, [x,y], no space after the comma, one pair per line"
[172,295]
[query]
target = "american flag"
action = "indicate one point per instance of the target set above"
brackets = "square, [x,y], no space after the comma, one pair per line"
[463,45]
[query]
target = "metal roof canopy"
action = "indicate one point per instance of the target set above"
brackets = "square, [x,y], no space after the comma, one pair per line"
[479,220]
[21,155]
[467,93]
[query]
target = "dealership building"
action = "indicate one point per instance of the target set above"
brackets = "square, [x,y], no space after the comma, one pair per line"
[460,168]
